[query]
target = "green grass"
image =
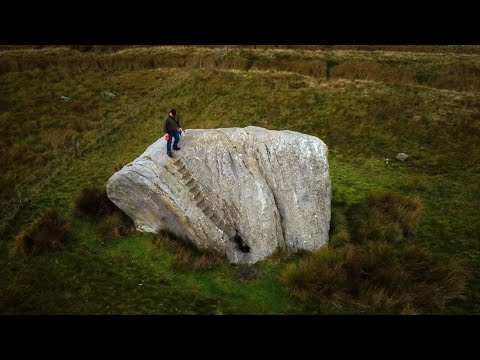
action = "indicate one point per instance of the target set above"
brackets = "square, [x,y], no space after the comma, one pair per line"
[130,275]
[362,121]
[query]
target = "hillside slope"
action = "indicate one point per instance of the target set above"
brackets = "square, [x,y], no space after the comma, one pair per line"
[365,106]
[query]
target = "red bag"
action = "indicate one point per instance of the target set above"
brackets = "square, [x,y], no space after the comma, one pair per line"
[167,137]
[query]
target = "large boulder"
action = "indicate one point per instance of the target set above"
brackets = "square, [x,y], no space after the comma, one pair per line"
[243,192]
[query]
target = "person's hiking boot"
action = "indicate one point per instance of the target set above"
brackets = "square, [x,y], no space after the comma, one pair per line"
[176,148]
[170,154]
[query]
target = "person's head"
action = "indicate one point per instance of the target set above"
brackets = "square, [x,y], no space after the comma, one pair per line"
[173,112]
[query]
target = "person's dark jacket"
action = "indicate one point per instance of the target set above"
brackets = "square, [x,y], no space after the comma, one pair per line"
[170,124]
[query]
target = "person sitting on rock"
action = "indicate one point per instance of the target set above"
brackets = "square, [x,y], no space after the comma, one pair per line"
[171,126]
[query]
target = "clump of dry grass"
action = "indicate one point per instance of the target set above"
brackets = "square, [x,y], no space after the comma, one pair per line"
[119,165]
[339,229]
[386,217]
[341,238]
[59,138]
[115,226]
[188,256]
[93,203]
[317,277]
[47,233]
[378,277]
[280,254]
[367,268]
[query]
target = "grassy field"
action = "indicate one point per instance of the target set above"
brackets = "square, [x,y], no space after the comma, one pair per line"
[366,105]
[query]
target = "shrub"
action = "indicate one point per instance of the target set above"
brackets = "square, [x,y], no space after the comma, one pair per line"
[93,203]
[46,233]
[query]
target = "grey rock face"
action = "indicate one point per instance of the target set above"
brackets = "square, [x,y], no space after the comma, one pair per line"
[243,192]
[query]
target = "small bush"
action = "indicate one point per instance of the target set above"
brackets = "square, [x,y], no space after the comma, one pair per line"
[46,233]
[93,203]
[387,217]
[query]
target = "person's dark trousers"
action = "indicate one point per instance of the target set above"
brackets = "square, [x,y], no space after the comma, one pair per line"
[173,134]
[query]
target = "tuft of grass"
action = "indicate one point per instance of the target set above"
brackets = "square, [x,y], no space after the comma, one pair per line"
[317,277]
[386,217]
[247,273]
[378,277]
[47,233]
[59,138]
[339,230]
[119,166]
[280,254]
[115,226]
[434,279]
[417,183]
[93,203]
[188,256]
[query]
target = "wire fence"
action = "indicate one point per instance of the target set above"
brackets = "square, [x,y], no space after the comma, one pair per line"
[30,187]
